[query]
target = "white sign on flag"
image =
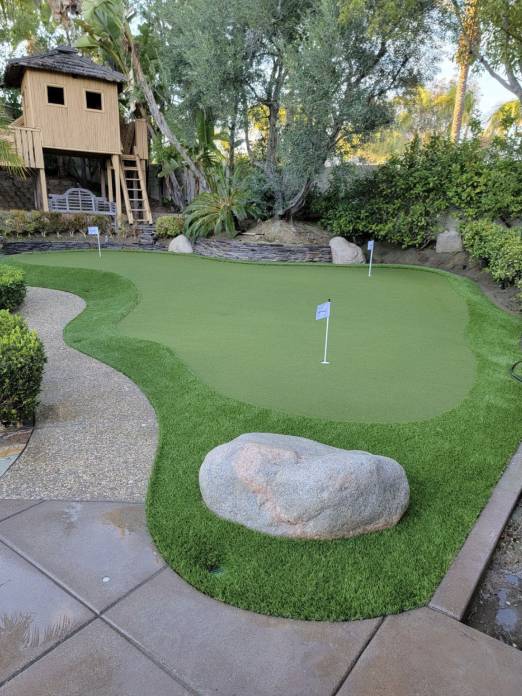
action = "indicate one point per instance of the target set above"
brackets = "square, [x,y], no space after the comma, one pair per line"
[370,245]
[323,311]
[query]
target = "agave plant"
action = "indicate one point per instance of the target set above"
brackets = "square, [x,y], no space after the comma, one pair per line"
[230,200]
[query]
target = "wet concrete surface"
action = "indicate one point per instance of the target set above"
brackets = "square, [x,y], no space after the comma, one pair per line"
[496,608]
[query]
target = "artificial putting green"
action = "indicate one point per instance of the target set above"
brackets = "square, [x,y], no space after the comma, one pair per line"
[398,349]
[452,459]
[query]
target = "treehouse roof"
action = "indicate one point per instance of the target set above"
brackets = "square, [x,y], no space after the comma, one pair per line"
[64,59]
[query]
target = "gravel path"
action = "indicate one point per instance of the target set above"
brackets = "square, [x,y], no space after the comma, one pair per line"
[95,434]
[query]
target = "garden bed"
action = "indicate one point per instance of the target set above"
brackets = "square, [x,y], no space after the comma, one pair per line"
[453,457]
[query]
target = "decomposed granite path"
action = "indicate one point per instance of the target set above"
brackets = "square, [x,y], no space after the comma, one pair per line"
[88,608]
[95,434]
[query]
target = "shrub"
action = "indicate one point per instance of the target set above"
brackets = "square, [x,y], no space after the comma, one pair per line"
[168,226]
[402,200]
[230,200]
[22,360]
[499,247]
[12,287]
[25,223]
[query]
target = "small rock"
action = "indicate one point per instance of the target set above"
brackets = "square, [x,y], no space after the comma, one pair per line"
[295,487]
[181,245]
[344,251]
[448,242]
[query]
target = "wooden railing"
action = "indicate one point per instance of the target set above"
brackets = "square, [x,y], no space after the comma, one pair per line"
[27,143]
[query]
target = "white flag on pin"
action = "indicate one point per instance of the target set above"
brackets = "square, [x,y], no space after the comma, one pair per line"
[322,311]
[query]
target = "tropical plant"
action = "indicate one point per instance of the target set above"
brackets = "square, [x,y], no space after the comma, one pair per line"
[229,201]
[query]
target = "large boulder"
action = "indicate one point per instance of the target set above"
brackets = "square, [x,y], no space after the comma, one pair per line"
[181,245]
[344,251]
[294,487]
[448,242]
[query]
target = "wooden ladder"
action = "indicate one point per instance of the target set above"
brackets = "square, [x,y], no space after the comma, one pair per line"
[133,185]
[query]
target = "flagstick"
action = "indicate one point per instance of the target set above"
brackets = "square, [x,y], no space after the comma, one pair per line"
[370,268]
[324,361]
[99,247]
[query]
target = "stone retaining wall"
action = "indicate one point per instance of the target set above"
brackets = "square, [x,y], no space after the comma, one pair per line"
[19,247]
[244,251]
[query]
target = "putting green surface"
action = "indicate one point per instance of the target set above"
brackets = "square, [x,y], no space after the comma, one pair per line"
[397,344]
[179,326]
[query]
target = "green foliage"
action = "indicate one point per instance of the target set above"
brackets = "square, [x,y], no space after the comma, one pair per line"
[402,200]
[25,223]
[168,226]
[12,287]
[497,246]
[230,200]
[22,360]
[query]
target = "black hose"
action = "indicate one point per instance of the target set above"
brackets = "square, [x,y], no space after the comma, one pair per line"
[513,368]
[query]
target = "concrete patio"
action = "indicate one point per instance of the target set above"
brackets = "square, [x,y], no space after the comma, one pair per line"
[88,608]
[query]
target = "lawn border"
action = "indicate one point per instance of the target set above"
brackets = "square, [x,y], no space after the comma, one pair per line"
[453,595]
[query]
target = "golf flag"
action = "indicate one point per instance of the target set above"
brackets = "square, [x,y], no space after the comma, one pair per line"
[371,244]
[95,232]
[323,311]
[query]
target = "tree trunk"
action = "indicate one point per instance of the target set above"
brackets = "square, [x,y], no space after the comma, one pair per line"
[297,201]
[158,117]
[460,95]
[469,40]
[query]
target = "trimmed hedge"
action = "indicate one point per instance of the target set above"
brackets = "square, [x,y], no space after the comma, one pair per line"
[22,360]
[500,248]
[168,226]
[12,287]
[26,223]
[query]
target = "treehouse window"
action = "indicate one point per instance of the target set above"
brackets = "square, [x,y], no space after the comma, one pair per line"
[55,95]
[93,100]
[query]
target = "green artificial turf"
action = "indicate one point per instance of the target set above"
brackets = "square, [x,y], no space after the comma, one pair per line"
[452,459]
[398,349]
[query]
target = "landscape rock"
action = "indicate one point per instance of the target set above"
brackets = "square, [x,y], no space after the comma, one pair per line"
[289,233]
[448,242]
[344,251]
[181,245]
[294,487]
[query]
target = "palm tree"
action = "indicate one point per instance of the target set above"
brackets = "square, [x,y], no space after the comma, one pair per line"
[507,116]
[9,158]
[469,38]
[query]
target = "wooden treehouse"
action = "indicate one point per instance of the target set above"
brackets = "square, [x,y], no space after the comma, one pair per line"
[70,107]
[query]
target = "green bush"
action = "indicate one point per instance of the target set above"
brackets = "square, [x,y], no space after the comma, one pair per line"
[12,287]
[168,226]
[22,360]
[498,247]
[401,201]
[26,223]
